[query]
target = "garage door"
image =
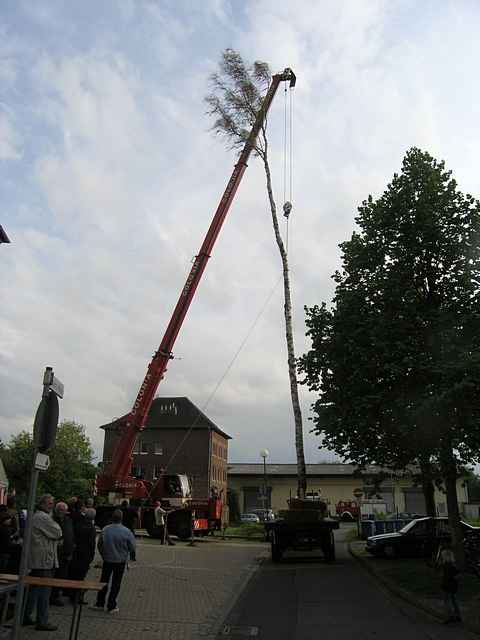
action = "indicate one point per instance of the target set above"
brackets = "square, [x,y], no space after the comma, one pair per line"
[253,498]
[387,496]
[414,501]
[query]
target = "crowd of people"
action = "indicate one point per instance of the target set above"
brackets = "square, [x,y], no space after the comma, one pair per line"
[62,546]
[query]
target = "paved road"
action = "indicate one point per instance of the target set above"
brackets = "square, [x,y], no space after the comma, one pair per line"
[170,593]
[311,600]
[231,591]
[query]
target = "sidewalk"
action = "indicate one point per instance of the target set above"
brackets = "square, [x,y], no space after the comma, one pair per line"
[419,585]
[170,593]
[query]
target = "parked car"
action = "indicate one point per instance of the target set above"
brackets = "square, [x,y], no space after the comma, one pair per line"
[264,515]
[249,517]
[417,538]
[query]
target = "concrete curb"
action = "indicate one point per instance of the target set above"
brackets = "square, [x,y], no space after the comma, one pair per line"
[404,595]
[208,538]
[229,606]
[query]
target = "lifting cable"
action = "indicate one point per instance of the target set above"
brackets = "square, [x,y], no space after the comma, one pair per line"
[287,207]
[287,160]
[225,373]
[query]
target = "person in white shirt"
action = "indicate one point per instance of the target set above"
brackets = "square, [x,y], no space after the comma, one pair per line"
[161,523]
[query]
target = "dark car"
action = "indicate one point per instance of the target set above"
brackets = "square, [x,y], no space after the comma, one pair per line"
[417,538]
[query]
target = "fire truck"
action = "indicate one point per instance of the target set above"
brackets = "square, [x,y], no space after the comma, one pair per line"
[187,515]
[348,510]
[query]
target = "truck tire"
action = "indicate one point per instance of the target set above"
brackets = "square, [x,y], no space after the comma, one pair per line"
[184,532]
[277,551]
[104,515]
[180,524]
[155,532]
[347,517]
[327,546]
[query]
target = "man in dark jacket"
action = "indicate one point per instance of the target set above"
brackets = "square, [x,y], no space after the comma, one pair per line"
[9,549]
[65,549]
[84,551]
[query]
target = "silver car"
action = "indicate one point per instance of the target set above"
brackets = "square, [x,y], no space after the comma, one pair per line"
[249,517]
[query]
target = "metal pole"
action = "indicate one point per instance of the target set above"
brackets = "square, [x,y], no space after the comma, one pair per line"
[264,488]
[32,493]
[25,552]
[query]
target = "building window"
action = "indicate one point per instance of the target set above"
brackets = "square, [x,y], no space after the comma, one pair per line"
[136,448]
[158,449]
[170,408]
[157,471]
[144,448]
[138,471]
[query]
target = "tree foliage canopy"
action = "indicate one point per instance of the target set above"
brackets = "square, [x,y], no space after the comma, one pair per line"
[396,359]
[237,95]
[71,470]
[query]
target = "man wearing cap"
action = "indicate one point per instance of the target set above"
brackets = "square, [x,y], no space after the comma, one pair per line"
[65,548]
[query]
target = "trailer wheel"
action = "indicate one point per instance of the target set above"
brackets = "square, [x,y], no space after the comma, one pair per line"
[276,549]
[328,546]
[155,532]
[184,532]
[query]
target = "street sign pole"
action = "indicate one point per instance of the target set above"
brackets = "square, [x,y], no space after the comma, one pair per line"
[40,462]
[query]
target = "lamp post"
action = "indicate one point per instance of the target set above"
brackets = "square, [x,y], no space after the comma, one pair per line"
[264,453]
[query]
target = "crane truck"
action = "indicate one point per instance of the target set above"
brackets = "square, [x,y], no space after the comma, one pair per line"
[174,491]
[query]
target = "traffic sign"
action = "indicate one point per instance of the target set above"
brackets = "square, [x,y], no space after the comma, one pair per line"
[42,462]
[46,422]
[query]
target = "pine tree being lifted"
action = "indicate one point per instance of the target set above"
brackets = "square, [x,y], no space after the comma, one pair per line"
[235,101]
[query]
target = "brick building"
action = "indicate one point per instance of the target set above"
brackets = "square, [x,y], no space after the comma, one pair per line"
[180,438]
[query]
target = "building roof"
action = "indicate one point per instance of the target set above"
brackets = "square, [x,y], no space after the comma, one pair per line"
[322,469]
[3,235]
[173,413]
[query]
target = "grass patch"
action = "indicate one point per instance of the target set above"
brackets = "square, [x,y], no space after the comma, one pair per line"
[352,535]
[246,530]
[475,522]
[423,583]
[420,579]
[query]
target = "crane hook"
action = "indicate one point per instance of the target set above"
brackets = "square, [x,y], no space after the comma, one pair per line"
[287,207]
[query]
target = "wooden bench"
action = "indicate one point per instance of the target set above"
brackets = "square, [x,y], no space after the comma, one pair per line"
[79,587]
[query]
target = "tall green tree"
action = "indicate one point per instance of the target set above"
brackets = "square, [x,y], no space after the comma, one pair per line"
[396,359]
[237,96]
[71,470]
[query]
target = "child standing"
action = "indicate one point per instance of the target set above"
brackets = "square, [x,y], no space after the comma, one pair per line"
[449,584]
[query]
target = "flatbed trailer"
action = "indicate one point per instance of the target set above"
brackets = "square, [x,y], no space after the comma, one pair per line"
[301,536]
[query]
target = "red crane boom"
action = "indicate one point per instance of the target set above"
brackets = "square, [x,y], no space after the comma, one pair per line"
[117,476]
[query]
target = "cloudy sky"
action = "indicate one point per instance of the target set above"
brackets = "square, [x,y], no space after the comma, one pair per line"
[109,178]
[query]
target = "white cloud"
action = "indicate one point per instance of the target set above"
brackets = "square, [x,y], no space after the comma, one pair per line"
[119,178]
[10,140]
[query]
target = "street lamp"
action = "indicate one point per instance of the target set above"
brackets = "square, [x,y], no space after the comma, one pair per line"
[264,453]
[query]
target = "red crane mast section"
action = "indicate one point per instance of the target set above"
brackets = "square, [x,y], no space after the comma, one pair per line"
[117,474]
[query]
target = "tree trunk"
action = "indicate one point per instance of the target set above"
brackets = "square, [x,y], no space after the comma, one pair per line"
[292,363]
[428,487]
[449,471]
